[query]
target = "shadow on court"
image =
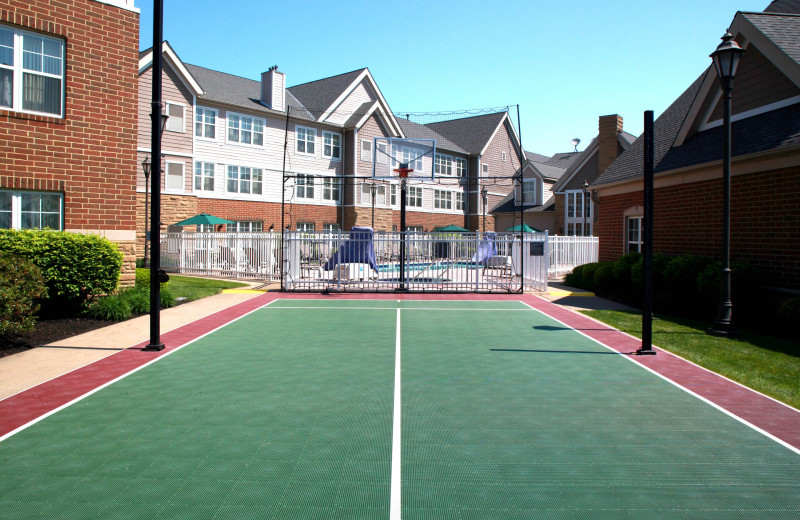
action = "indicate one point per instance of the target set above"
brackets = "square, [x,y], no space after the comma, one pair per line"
[558,351]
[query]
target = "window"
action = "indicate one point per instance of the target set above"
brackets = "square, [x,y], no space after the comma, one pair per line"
[414,197]
[382,156]
[174,179]
[529,191]
[461,167]
[305,227]
[331,145]
[31,72]
[330,188]
[246,180]
[442,199]
[414,229]
[393,194]
[331,228]
[247,226]
[575,213]
[30,210]
[366,151]
[503,156]
[485,169]
[205,123]
[203,176]
[635,241]
[245,130]
[304,186]
[459,201]
[366,194]
[175,120]
[443,165]
[305,140]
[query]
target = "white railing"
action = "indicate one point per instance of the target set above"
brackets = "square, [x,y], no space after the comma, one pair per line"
[234,255]
[566,253]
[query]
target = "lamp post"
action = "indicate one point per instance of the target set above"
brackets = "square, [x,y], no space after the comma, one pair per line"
[484,199]
[146,169]
[726,60]
[584,187]
[373,189]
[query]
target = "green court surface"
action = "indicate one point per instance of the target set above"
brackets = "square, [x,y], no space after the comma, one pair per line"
[289,412]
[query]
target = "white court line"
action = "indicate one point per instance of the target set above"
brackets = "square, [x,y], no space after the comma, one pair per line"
[314,307]
[674,383]
[123,376]
[395,504]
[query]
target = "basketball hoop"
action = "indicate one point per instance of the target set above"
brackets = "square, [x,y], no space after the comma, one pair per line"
[403,172]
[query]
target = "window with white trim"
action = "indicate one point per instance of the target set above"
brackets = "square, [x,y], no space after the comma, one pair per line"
[31,72]
[247,226]
[503,156]
[331,145]
[305,227]
[31,210]
[393,194]
[174,176]
[442,199]
[205,123]
[245,180]
[485,169]
[304,186]
[461,166]
[366,194]
[175,112]
[529,191]
[443,165]
[203,176]
[366,150]
[331,228]
[634,226]
[459,201]
[414,197]
[330,188]
[245,130]
[305,140]
[574,213]
[382,156]
[414,229]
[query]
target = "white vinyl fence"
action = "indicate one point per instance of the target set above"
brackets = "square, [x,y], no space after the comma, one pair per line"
[566,253]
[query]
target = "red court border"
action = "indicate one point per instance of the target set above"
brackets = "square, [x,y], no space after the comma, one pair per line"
[773,417]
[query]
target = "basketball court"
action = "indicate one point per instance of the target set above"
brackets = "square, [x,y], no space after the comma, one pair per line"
[477,406]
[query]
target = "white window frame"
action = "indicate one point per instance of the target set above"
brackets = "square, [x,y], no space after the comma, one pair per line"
[503,156]
[443,165]
[639,239]
[241,118]
[171,125]
[414,197]
[332,227]
[256,178]
[18,71]
[202,176]
[573,216]
[15,211]
[393,194]
[383,157]
[529,194]
[249,226]
[168,175]
[332,135]
[458,204]
[331,189]
[310,137]
[305,227]
[485,168]
[199,113]
[366,154]
[442,199]
[304,186]
[460,166]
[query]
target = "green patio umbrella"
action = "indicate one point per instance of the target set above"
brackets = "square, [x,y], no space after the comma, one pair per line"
[525,228]
[451,229]
[203,219]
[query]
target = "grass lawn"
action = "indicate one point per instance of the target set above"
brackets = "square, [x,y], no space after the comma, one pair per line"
[764,363]
[188,288]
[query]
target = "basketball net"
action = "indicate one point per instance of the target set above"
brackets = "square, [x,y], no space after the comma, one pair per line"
[403,174]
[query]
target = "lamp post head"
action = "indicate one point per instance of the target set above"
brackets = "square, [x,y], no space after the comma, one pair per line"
[484,194]
[726,58]
[146,167]
[585,186]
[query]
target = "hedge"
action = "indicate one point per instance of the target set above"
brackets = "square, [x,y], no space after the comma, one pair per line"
[75,267]
[21,285]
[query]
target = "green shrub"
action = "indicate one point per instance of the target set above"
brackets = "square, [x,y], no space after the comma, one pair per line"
[138,300]
[625,288]
[21,285]
[789,311]
[587,276]
[167,298]
[75,267]
[112,307]
[605,281]
[143,277]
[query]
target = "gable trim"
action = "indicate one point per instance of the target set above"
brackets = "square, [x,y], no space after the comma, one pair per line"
[505,119]
[588,153]
[147,60]
[750,113]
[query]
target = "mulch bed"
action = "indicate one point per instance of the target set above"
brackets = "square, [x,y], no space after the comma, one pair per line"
[49,331]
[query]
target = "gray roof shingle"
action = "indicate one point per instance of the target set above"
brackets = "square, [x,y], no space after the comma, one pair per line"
[416,131]
[317,96]
[783,30]
[470,133]
[784,6]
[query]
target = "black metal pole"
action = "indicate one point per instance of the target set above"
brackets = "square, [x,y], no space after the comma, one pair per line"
[155,150]
[402,234]
[647,311]
[723,325]
[146,216]
[283,197]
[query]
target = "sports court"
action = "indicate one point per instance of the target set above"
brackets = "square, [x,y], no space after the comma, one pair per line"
[396,407]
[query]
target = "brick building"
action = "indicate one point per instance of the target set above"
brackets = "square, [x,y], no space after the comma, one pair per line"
[765,169]
[68,98]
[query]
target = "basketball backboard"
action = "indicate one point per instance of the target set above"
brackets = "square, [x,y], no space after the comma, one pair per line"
[391,154]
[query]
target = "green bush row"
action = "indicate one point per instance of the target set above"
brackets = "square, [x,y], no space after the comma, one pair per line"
[75,267]
[21,286]
[129,302]
[686,285]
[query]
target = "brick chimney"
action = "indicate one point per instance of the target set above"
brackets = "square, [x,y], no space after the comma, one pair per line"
[607,145]
[273,89]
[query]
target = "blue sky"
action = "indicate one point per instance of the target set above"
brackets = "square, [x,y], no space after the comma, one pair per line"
[563,63]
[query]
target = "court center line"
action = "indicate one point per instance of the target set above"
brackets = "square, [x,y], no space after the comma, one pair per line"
[395,503]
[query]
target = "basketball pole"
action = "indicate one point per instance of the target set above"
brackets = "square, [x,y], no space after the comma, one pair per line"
[403,172]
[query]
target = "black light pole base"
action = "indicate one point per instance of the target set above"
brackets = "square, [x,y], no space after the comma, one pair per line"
[723,330]
[153,348]
[645,352]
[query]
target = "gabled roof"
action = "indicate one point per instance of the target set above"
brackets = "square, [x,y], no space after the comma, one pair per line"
[784,6]
[624,140]
[416,131]
[472,134]
[536,157]
[146,61]
[563,160]
[317,96]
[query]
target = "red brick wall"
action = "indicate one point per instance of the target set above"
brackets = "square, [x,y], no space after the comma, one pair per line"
[90,154]
[765,222]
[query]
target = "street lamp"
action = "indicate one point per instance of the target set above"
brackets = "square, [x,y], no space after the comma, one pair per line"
[726,60]
[584,187]
[373,189]
[484,198]
[146,169]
